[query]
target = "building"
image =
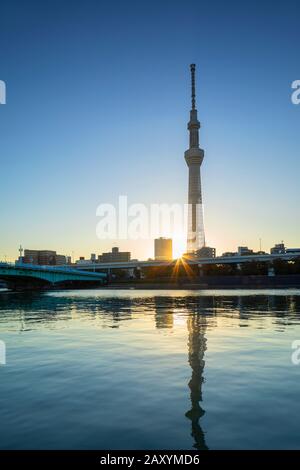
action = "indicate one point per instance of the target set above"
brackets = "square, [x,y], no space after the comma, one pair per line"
[43,257]
[31,256]
[244,251]
[293,250]
[206,252]
[93,257]
[228,254]
[163,249]
[114,256]
[60,260]
[278,249]
[194,157]
[47,257]
[83,261]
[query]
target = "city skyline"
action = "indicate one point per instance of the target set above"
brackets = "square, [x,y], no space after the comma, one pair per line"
[84,123]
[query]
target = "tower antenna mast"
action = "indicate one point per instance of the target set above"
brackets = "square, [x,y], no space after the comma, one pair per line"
[193,73]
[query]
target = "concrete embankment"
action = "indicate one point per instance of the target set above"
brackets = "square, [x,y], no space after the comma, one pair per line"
[215,282]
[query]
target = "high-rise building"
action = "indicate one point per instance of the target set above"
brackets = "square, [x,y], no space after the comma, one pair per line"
[194,157]
[163,250]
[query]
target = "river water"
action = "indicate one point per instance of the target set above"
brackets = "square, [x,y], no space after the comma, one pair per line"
[137,369]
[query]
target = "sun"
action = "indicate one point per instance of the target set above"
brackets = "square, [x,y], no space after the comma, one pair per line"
[179,246]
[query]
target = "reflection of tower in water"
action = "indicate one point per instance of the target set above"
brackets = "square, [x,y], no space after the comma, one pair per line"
[196,324]
[165,309]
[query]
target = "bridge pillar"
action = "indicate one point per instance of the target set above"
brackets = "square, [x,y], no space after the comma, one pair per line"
[131,273]
[201,271]
[271,270]
[109,274]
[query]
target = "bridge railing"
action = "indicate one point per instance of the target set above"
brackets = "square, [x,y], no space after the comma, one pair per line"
[55,268]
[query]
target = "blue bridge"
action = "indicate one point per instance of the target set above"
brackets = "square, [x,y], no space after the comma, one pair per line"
[28,276]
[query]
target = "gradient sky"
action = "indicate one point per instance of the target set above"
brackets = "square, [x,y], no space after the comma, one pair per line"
[97,105]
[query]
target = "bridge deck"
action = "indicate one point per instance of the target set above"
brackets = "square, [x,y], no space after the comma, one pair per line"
[47,274]
[199,261]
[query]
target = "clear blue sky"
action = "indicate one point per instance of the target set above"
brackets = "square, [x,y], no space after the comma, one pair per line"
[97,106]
